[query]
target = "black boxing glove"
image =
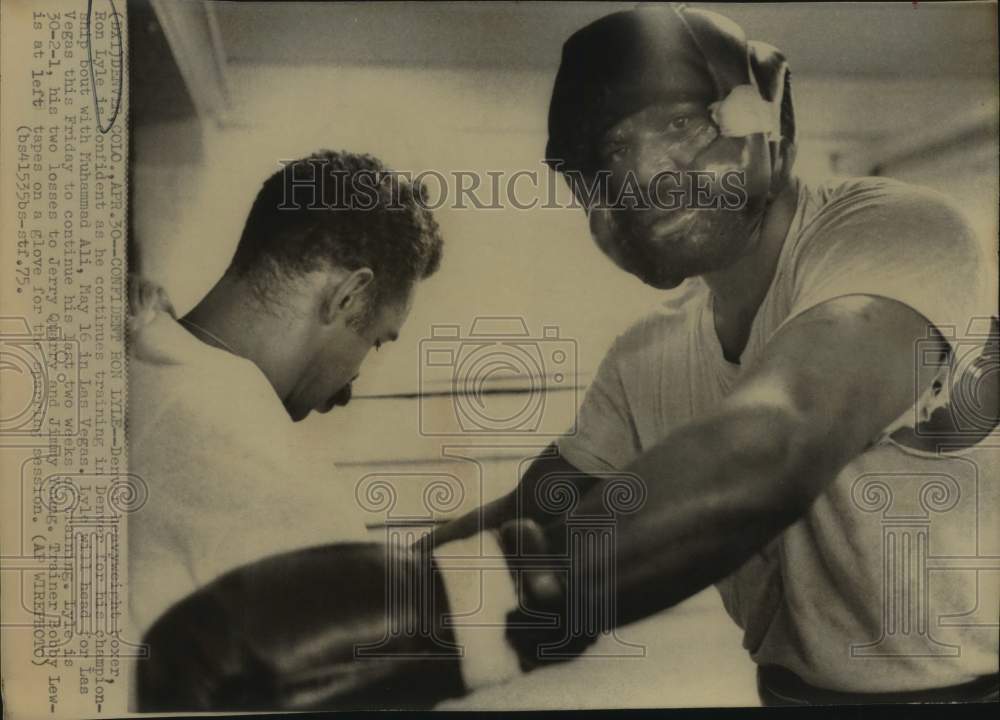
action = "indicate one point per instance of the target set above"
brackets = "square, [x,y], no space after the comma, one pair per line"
[560,609]
[368,625]
[316,628]
[512,597]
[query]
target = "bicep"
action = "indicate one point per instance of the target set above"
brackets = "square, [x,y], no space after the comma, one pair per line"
[846,369]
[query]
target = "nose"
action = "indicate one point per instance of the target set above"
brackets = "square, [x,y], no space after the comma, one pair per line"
[654,157]
[650,183]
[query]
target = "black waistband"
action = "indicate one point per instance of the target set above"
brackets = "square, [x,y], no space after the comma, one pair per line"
[779,686]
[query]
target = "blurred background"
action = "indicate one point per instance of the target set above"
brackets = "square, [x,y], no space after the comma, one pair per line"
[221,92]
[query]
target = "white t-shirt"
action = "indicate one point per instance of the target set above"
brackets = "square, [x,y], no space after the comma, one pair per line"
[891,580]
[211,439]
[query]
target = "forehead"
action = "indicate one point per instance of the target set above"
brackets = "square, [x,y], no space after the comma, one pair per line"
[673,78]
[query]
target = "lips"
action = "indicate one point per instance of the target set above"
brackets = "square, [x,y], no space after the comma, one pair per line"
[342,397]
[653,224]
[671,224]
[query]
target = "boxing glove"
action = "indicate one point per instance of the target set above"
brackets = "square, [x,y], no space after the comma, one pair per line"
[365,626]
[316,628]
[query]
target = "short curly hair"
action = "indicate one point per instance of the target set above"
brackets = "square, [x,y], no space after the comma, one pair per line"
[344,210]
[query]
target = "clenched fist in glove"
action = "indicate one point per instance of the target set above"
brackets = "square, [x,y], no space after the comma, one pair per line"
[286,633]
[363,625]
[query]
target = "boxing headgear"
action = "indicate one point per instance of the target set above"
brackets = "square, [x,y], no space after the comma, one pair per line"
[614,67]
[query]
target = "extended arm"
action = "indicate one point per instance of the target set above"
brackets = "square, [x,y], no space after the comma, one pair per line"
[718,489]
[827,384]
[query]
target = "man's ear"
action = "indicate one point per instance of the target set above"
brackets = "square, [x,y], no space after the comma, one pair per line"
[345,294]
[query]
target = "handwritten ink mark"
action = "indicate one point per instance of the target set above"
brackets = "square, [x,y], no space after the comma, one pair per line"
[104,130]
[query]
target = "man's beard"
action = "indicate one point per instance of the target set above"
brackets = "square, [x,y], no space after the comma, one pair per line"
[712,240]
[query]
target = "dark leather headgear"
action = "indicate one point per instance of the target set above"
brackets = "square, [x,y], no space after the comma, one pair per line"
[613,68]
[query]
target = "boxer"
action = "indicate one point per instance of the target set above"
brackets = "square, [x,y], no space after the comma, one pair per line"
[832,339]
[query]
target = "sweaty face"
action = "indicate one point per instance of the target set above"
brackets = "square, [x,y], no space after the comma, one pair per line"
[680,199]
[326,380]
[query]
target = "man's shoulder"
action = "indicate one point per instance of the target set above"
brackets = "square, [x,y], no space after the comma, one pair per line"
[880,200]
[175,379]
[883,220]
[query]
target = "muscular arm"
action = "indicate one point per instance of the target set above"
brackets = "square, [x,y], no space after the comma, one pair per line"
[720,488]
[826,385]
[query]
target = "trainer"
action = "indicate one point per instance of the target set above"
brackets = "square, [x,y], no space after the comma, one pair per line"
[324,272]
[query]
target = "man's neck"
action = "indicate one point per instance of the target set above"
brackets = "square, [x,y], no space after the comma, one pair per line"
[739,289]
[220,319]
